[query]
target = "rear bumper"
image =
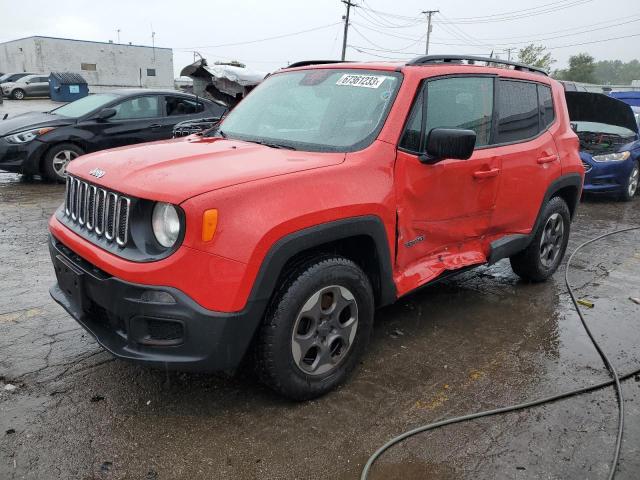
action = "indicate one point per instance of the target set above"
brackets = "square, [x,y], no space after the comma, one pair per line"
[180,335]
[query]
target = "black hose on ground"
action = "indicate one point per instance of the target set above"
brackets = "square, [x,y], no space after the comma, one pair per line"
[522,406]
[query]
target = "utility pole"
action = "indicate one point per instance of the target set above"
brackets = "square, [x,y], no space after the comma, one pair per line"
[346,26]
[153,43]
[429,13]
[509,53]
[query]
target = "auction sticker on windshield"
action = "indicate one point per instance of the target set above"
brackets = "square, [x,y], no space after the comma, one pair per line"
[355,80]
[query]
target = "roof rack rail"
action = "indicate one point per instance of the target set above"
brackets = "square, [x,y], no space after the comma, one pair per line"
[305,63]
[430,59]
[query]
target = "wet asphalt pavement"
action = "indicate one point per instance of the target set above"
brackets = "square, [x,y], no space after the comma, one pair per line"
[479,341]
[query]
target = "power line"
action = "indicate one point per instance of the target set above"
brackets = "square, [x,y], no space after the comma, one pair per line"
[416,41]
[380,18]
[535,40]
[498,18]
[382,32]
[564,30]
[461,34]
[514,12]
[551,47]
[261,39]
[594,41]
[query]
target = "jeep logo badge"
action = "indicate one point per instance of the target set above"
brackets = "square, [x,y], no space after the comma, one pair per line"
[98,173]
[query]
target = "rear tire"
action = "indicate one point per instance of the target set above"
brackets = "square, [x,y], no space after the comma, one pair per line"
[633,182]
[316,328]
[542,257]
[54,164]
[17,94]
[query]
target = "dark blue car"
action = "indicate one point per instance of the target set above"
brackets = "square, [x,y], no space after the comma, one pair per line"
[609,143]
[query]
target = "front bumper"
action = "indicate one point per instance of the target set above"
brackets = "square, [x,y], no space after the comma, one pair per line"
[21,158]
[181,335]
[606,177]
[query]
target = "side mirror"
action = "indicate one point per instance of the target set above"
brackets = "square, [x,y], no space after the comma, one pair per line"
[106,113]
[449,143]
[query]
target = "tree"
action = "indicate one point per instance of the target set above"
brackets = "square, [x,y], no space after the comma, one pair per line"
[616,72]
[536,56]
[581,68]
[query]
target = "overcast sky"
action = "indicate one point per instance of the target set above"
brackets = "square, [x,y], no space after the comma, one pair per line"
[380,28]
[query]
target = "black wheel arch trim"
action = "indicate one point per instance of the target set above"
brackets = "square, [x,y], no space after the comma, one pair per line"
[297,242]
[511,244]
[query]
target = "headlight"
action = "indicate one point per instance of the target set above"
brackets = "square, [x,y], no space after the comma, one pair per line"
[24,137]
[166,224]
[612,157]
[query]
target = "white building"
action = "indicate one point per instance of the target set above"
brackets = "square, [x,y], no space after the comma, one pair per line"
[103,64]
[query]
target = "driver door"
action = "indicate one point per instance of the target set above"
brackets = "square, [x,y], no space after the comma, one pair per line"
[445,209]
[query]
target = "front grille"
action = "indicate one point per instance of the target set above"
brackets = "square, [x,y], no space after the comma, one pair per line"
[587,167]
[104,212]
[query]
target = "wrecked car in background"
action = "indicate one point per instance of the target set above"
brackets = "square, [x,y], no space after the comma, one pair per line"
[609,143]
[223,83]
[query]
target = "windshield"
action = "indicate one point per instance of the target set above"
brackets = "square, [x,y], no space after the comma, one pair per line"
[85,105]
[316,110]
[602,128]
[4,77]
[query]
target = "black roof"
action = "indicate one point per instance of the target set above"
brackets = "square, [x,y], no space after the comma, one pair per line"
[126,92]
[66,78]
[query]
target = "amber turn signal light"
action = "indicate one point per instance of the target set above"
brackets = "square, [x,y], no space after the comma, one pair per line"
[209,224]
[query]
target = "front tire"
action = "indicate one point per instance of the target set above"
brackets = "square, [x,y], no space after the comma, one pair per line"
[316,328]
[541,258]
[17,94]
[631,188]
[54,164]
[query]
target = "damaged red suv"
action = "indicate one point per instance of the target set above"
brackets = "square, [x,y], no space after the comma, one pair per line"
[331,190]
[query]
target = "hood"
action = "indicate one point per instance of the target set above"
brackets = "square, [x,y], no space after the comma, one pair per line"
[175,170]
[30,120]
[600,108]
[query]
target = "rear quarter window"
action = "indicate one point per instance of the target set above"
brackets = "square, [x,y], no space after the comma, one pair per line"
[547,113]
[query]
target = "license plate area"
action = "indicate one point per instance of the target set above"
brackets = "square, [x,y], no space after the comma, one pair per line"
[70,281]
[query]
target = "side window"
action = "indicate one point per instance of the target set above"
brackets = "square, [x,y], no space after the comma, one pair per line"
[517,111]
[182,106]
[411,137]
[461,102]
[139,107]
[547,114]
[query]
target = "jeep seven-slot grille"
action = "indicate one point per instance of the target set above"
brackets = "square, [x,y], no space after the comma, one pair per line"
[101,211]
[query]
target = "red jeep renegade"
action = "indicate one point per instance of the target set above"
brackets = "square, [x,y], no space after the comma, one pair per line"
[331,190]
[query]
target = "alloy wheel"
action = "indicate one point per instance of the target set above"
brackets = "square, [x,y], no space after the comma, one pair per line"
[634,179]
[18,95]
[551,240]
[324,330]
[61,160]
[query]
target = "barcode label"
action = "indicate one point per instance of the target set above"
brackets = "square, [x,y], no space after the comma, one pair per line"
[354,80]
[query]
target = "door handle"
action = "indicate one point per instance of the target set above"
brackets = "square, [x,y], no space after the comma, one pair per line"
[547,159]
[486,173]
[155,125]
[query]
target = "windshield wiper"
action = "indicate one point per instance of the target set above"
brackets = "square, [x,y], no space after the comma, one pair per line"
[215,131]
[272,144]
